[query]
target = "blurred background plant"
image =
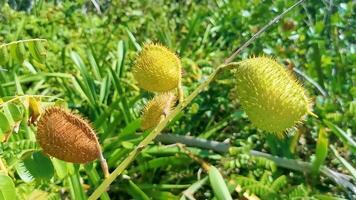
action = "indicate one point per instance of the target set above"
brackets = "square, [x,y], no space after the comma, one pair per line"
[85,62]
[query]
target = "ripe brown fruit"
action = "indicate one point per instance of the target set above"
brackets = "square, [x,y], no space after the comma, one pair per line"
[67,136]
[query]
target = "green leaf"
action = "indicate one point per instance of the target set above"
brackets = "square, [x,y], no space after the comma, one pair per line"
[136,192]
[88,82]
[7,188]
[194,187]
[342,135]
[4,56]
[39,166]
[38,195]
[37,50]
[279,183]
[15,111]
[17,52]
[5,126]
[321,151]
[133,40]
[218,184]
[75,186]
[24,173]
[121,51]
[348,166]
[14,115]
[60,167]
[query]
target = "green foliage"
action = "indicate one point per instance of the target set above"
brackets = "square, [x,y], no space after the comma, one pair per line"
[218,184]
[321,151]
[264,188]
[39,166]
[7,187]
[19,51]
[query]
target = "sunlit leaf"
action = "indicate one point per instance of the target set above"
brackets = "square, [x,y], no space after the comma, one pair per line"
[7,188]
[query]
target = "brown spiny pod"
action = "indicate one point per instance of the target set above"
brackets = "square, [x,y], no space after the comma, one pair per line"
[67,136]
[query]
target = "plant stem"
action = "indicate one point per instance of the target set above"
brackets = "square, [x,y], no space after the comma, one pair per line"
[152,135]
[259,33]
[27,96]
[228,63]
[21,41]
[338,178]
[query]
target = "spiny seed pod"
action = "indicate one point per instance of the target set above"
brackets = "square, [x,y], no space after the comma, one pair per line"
[67,136]
[159,106]
[157,69]
[270,95]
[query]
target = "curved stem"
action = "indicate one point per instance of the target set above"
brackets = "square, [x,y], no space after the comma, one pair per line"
[153,134]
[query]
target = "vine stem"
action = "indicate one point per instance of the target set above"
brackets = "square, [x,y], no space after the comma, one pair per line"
[153,134]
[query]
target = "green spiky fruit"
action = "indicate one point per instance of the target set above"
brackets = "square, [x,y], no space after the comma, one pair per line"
[157,69]
[159,106]
[272,98]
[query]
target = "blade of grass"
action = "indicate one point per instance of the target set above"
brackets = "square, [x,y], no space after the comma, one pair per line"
[342,135]
[133,40]
[76,188]
[136,191]
[348,166]
[218,184]
[321,151]
[189,192]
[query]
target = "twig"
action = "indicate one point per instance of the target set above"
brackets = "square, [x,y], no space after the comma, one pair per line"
[154,133]
[259,33]
[202,163]
[338,178]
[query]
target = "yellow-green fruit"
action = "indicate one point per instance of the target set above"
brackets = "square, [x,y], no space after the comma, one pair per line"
[157,69]
[272,98]
[158,107]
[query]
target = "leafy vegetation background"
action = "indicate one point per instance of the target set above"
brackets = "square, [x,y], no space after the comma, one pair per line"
[88,64]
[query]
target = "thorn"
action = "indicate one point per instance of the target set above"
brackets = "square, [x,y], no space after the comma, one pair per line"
[313,114]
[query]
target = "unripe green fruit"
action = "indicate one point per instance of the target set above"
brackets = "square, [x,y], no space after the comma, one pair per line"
[159,106]
[272,98]
[157,69]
